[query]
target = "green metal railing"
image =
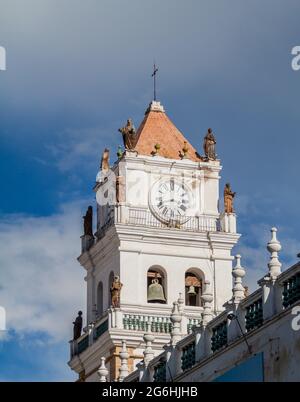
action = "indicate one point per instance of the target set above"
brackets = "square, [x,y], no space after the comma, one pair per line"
[140,323]
[291,290]
[219,337]
[160,373]
[193,322]
[254,315]
[83,344]
[103,327]
[188,357]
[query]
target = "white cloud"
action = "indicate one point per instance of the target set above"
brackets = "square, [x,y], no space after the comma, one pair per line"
[42,284]
[81,148]
[255,257]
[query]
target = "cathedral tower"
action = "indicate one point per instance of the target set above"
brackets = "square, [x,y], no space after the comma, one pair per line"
[160,239]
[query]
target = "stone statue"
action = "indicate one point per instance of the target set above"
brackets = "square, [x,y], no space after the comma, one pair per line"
[228,199]
[105,160]
[115,291]
[119,189]
[129,135]
[77,326]
[246,291]
[88,222]
[209,145]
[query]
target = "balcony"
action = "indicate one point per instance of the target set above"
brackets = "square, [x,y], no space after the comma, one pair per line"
[143,217]
[124,319]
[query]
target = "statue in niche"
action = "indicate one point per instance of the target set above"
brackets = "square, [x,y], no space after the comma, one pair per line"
[209,145]
[88,222]
[228,199]
[129,135]
[77,326]
[115,291]
[105,160]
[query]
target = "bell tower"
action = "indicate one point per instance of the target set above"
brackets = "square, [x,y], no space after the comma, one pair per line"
[160,238]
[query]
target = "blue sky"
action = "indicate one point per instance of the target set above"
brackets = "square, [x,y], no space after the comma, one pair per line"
[76,70]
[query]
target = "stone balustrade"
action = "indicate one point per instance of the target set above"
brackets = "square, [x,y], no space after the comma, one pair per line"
[143,217]
[241,318]
[122,319]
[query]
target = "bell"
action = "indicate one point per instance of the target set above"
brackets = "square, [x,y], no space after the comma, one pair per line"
[192,291]
[155,292]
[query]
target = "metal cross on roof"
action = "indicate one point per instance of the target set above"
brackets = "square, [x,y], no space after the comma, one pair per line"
[155,69]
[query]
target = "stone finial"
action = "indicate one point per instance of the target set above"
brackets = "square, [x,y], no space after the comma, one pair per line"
[207,299]
[148,339]
[102,371]
[156,149]
[185,150]
[180,302]
[123,371]
[274,247]
[238,272]
[105,161]
[176,318]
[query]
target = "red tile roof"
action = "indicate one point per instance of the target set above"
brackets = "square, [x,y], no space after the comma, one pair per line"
[157,128]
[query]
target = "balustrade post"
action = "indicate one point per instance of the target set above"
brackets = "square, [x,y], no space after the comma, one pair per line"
[148,339]
[176,318]
[207,335]
[170,356]
[102,371]
[141,370]
[72,348]
[124,356]
[199,342]
[91,333]
[268,283]
[184,319]
[238,294]
[111,318]
[207,299]
[118,318]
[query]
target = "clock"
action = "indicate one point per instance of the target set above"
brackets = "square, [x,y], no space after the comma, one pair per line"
[170,201]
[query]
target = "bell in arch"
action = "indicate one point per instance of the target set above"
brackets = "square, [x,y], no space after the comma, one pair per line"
[155,292]
[192,291]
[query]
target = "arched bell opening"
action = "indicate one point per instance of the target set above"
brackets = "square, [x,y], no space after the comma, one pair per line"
[193,289]
[156,286]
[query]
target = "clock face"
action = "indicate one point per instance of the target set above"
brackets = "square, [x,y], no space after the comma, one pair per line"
[170,200]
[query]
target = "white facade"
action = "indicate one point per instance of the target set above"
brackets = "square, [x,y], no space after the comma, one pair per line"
[132,239]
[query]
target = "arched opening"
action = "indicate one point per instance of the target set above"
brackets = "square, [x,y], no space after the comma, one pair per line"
[193,289]
[110,282]
[100,299]
[156,285]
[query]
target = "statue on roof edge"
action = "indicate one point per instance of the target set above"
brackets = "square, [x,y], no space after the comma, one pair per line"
[209,145]
[129,135]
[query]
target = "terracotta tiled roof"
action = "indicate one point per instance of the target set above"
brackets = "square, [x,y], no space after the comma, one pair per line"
[157,128]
